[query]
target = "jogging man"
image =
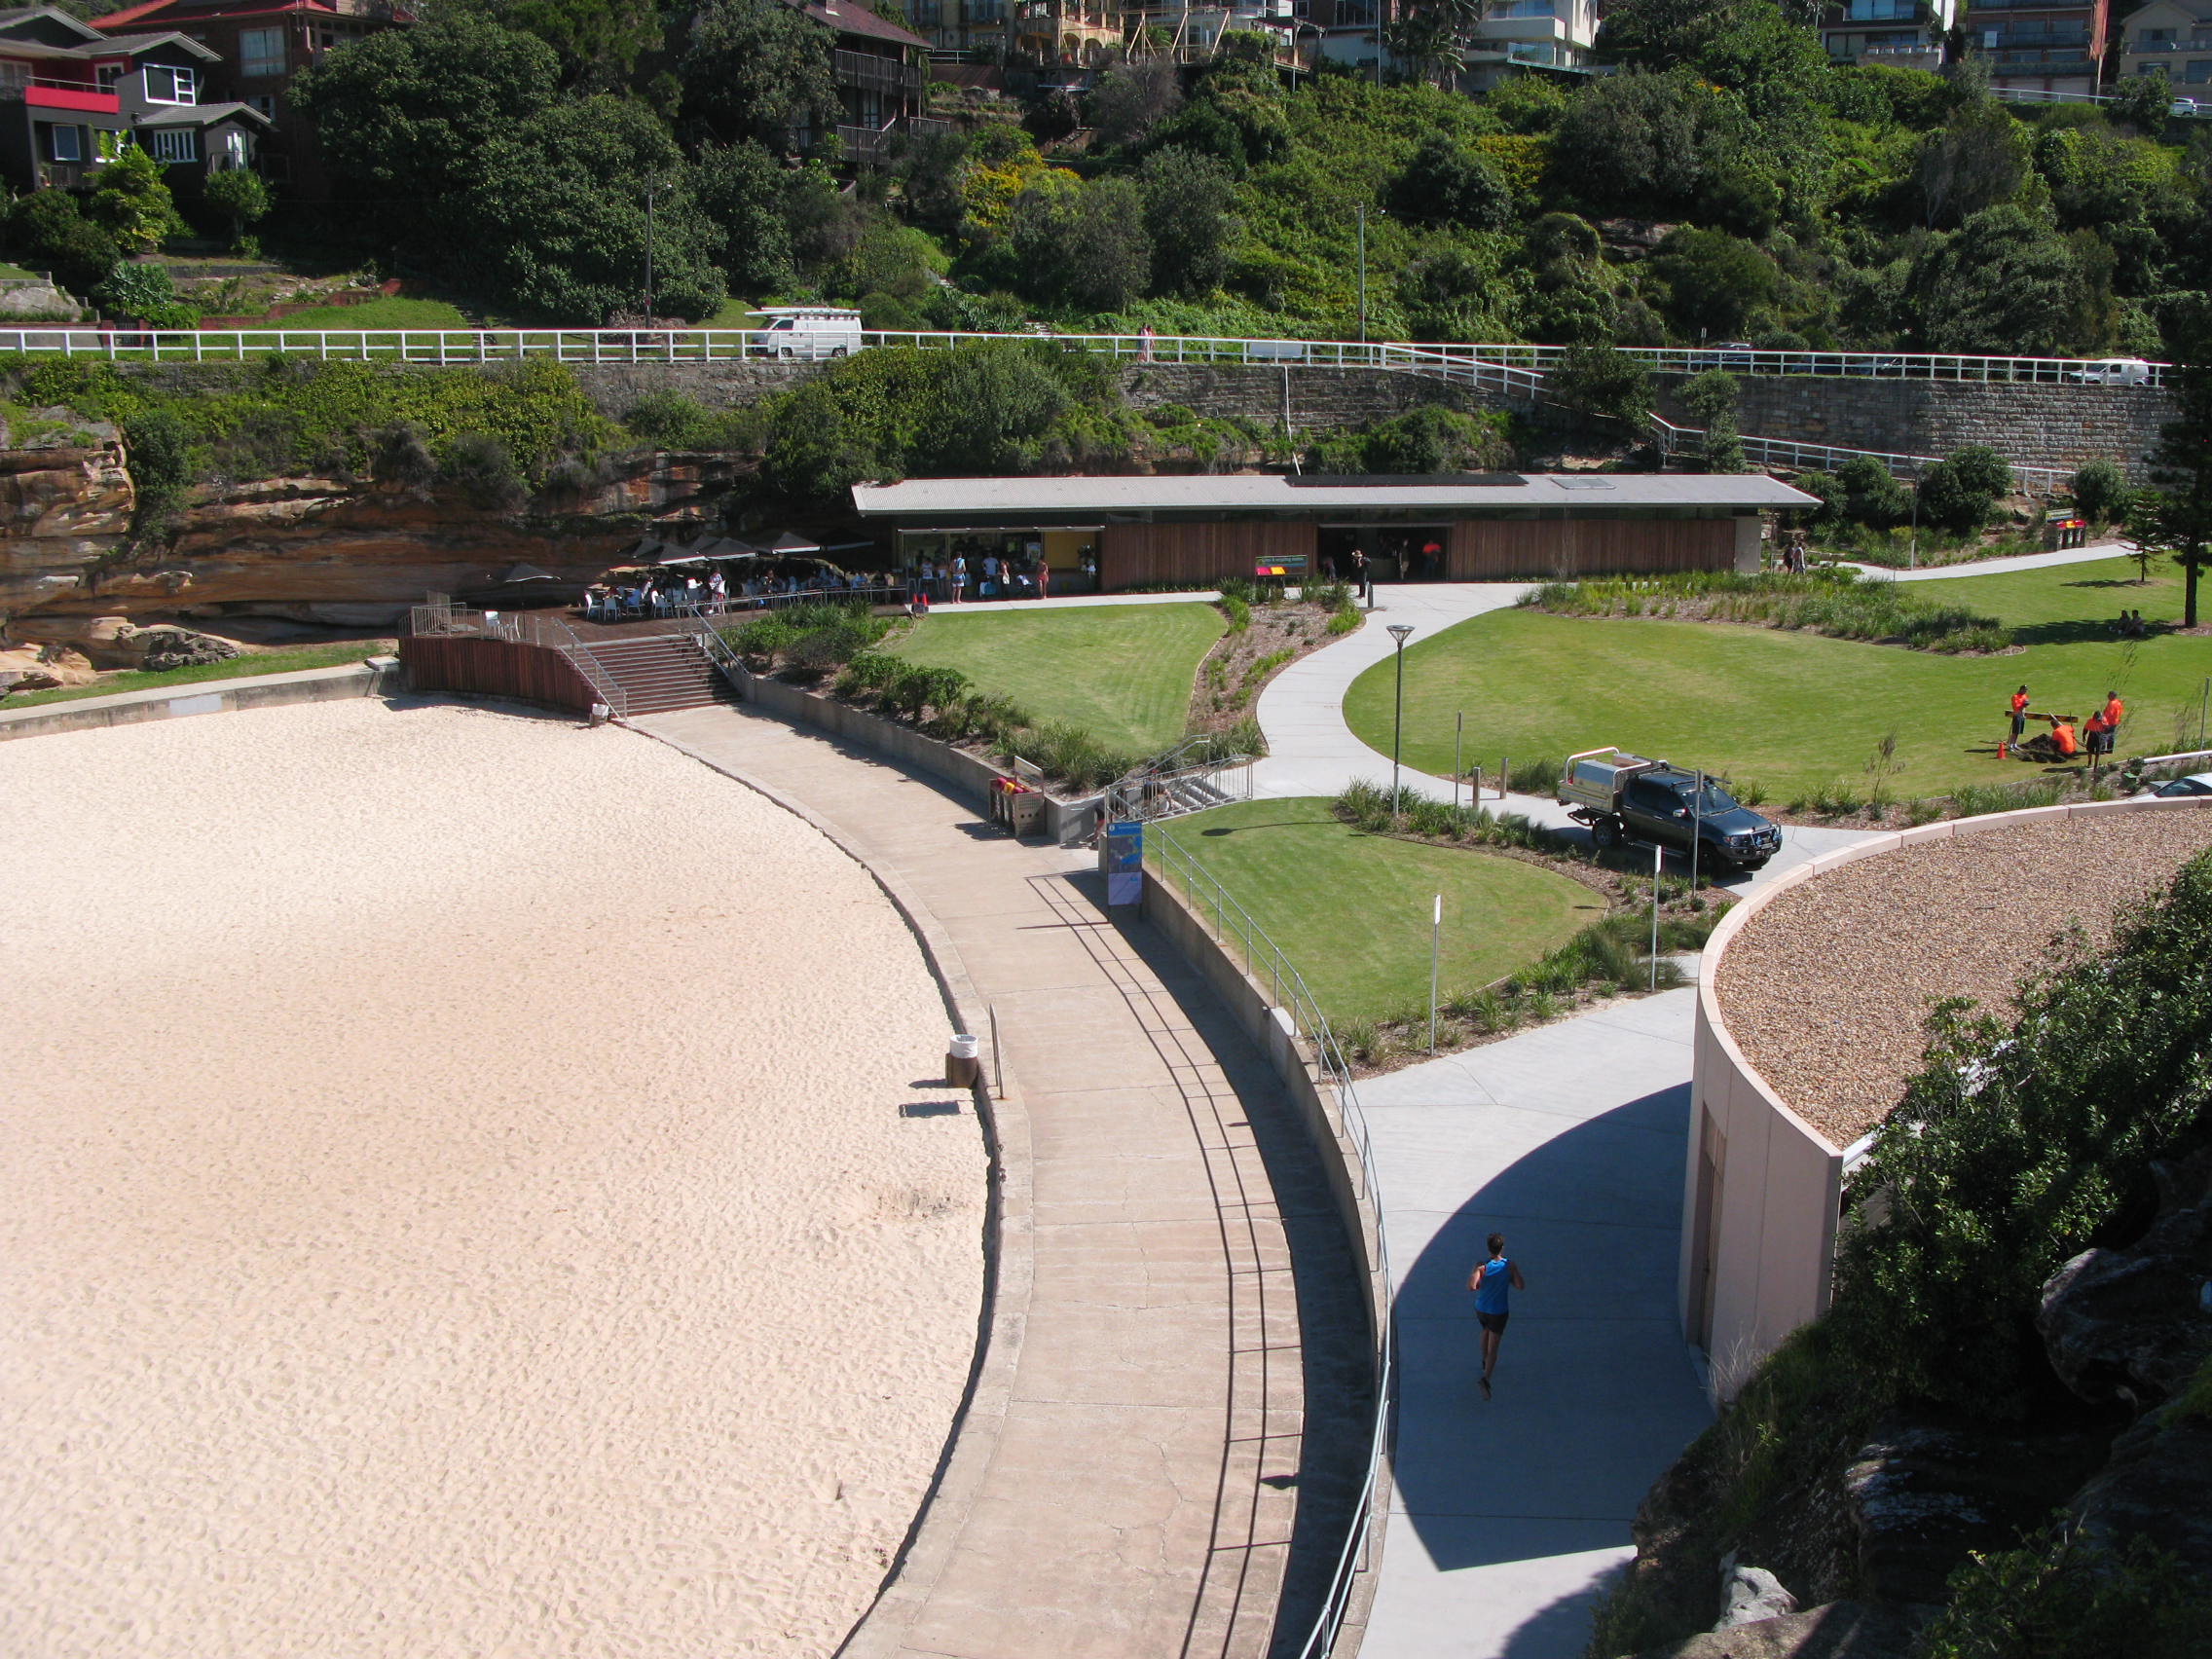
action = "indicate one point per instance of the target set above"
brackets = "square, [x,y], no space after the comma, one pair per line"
[1489,1281]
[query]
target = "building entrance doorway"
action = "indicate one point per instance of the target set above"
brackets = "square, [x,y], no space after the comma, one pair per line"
[1395,552]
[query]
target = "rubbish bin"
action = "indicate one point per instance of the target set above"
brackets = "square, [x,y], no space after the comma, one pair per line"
[962,1067]
[1028,809]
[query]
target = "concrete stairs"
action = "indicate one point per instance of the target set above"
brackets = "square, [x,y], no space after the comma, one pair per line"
[657,674]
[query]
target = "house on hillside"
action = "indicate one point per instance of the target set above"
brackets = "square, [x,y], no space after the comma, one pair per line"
[72,96]
[1513,37]
[1904,34]
[877,66]
[977,27]
[2173,36]
[260,44]
[2046,45]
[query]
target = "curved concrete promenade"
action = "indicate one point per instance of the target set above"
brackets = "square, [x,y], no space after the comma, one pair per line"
[1144,1468]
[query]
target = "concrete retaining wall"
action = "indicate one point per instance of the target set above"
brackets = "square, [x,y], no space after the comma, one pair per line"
[375,678]
[1759,1232]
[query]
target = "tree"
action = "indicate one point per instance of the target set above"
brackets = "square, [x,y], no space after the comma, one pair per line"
[1629,143]
[600,41]
[157,448]
[46,229]
[756,70]
[1712,397]
[133,204]
[1433,439]
[404,119]
[1715,280]
[1083,245]
[742,192]
[560,217]
[1870,495]
[1131,100]
[1447,183]
[2142,101]
[1603,382]
[1979,158]
[1187,198]
[240,196]
[2100,492]
[2005,282]
[1430,37]
[2176,515]
[1949,499]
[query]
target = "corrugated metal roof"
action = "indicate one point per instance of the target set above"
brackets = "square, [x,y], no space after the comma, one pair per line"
[1263,492]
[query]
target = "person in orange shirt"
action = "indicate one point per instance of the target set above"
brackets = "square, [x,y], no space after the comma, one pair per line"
[2062,736]
[2019,713]
[2097,734]
[2115,712]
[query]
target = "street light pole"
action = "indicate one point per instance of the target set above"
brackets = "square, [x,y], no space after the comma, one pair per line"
[648,255]
[1398,632]
[1435,939]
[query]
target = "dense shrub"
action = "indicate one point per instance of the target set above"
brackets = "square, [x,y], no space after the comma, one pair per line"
[2020,1145]
[2101,491]
[1837,602]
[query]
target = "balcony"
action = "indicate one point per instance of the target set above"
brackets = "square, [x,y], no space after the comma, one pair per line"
[875,74]
[2201,44]
[41,92]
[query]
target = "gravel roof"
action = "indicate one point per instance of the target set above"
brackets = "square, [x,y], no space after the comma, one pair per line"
[1827,988]
[1240,492]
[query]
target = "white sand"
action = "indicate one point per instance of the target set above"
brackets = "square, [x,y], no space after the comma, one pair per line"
[455,1200]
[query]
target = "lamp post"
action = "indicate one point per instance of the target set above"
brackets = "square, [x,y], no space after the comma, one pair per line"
[1398,632]
[1435,941]
[648,256]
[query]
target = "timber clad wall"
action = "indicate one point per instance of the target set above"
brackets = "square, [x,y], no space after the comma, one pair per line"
[1133,553]
[1495,549]
[496,669]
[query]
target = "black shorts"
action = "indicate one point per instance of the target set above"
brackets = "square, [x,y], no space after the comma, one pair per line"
[1494,1322]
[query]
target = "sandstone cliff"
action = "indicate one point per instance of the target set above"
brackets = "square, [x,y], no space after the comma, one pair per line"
[317,549]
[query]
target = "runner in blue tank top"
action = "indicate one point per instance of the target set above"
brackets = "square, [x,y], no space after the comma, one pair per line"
[1488,1283]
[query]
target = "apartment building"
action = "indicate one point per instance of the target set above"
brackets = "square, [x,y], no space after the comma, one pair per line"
[2169,35]
[2037,46]
[1905,34]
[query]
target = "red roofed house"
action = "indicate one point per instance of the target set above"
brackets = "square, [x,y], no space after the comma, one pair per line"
[261,43]
[83,96]
[878,71]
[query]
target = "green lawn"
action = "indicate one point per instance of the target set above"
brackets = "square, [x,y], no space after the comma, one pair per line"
[1351,910]
[249,667]
[386,311]
[1122,673]
[1794,711]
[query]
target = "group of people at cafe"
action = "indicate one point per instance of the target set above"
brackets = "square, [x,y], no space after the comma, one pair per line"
[978,571]
[669,593]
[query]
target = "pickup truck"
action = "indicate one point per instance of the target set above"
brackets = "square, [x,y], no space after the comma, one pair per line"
[1625,797]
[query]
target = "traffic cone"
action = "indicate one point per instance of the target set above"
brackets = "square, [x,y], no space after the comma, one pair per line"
[2000,748]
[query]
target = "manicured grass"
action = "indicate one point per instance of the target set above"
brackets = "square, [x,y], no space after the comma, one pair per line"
[386,311]
[1793,711]
[1351,910]
[1122,673]
[250,667]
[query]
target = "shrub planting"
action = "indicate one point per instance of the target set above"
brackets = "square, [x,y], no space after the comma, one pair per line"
[1840,603]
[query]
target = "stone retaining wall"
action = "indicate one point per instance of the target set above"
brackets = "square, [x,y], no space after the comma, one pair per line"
[2030,425]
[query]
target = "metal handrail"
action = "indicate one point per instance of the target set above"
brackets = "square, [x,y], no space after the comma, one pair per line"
[1471,360]
[554,634]
[1265,963]
[1795,457]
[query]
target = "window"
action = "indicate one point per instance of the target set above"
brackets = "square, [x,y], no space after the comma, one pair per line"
[266,103]
[2199,72]
[65,143]
[14,75]
[108,75]
[1524,9]
[174,144]
[261,51]
[168,86]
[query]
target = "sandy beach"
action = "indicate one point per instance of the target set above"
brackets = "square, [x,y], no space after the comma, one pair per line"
[458,1199]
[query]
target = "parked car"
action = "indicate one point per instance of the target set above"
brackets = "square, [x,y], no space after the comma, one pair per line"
[1624,796]
[1865,365]
[807,331]
[2185,106]
[2195,783]
[1723,355]
[2112,371]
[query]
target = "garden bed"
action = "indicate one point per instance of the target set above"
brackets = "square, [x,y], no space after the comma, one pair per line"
[1267,634]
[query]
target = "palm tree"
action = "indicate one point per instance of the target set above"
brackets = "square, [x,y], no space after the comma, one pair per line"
[1431,36]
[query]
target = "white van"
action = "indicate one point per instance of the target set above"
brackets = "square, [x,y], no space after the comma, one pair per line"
[807,331]
[2112,371]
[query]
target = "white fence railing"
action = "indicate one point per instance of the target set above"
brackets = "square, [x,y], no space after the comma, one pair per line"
[1508,366]
[1787,454]
[1265,965]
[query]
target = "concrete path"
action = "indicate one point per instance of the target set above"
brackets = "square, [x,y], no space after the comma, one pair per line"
[2002,566]
[1135,1477]
[1509,1513]
[1313,752]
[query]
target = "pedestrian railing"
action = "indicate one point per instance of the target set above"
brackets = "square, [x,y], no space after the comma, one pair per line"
[1506,365]
[1787,454]
[1266,964]
[555,635]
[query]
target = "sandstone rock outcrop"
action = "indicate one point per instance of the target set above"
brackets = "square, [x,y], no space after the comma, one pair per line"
[323,550]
